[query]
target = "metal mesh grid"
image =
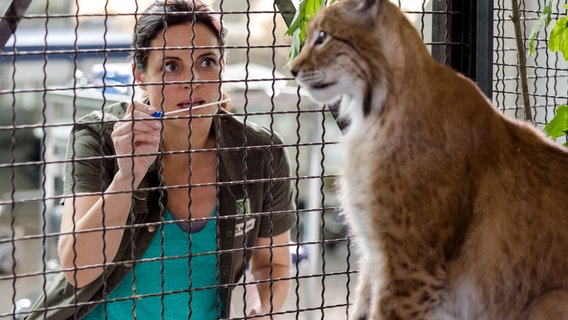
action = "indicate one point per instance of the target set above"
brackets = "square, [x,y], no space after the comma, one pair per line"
[68,58]
[78,59]
[546,71]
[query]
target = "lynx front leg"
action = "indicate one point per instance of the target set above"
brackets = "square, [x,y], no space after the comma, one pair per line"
[361,306]
[553,305]
[414,289]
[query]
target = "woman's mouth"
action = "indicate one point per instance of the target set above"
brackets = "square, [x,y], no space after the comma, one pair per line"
[187,104]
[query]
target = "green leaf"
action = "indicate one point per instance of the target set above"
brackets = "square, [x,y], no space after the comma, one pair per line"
[559,37]
[298,28]
[558,126]
[541,24]
[295,25]
[295,46]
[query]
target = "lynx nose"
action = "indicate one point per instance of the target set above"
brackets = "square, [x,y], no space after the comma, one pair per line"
[294,72]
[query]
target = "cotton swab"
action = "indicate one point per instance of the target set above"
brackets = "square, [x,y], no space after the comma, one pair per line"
[159,114]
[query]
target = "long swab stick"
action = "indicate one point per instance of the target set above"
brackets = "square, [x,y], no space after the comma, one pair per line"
[159,114]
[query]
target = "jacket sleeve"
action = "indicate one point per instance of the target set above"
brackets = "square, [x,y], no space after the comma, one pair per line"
[279,194]
[86,169]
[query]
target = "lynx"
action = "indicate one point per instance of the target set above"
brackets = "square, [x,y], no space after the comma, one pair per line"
[458,211]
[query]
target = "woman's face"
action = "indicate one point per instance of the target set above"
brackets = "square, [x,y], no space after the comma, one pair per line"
[169,72]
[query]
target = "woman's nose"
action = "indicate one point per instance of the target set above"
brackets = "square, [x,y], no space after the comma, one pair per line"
[193,80]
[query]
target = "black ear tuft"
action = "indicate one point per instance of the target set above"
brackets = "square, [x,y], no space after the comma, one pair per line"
[369,5]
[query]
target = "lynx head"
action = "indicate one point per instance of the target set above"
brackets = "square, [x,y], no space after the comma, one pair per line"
[344,56]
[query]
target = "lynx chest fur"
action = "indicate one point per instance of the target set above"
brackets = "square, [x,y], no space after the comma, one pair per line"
[457,211]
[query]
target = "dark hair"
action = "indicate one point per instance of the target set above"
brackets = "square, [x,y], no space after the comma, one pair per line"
[166,13]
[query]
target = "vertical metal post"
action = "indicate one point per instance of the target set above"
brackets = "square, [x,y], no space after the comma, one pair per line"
[11,18]
[440,32]
[468,28]
[484,47]
[312,218]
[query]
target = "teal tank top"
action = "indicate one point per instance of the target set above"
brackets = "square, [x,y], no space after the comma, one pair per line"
[179,284]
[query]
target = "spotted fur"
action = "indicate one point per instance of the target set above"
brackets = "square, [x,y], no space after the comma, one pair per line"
[457,211]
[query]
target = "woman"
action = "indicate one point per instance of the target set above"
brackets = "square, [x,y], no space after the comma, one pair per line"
[126,245]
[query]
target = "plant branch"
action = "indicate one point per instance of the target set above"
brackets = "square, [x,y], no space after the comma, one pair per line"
[522,60]
[287,10]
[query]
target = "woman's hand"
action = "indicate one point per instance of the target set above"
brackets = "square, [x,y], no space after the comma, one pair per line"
[136,139]
[271,261]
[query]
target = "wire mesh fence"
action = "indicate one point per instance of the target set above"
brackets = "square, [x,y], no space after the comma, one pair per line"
[546,71]
[70,58]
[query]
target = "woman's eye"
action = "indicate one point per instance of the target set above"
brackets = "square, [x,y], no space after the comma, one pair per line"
[170,67]
[208,63]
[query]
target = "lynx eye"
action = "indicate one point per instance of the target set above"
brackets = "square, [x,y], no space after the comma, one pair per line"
[321,37]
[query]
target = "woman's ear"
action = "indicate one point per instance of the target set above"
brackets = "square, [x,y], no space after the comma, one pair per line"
[138,77]
[226,105]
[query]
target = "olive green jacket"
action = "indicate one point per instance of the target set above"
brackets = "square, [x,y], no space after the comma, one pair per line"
[255,195]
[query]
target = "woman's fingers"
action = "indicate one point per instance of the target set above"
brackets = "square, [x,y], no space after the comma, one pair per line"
[137,135]
[138,139]
[140,107]
[138,125]
[138,112]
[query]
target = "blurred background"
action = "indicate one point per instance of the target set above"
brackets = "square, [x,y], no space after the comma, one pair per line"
[70,57]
